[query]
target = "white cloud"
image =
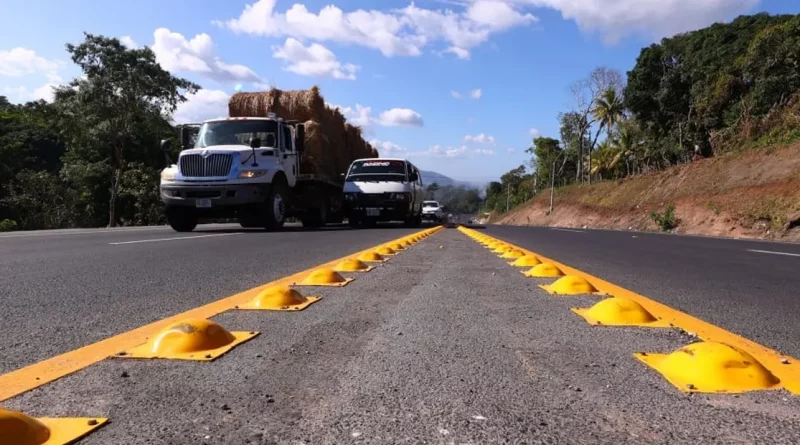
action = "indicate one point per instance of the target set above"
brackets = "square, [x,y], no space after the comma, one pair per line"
[197,55]
[361,115]
[455,94]
[401,117]
[314,60]
[19,62]
[616,19]
[476,94]
[509,150]
[128,42]
[437,151]
[534,133]
[205,104]
[389,149]
[399,32]
[480,139]
[461,53]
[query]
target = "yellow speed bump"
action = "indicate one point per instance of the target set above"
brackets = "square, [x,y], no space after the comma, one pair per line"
[325,277]
[397,247]
[279,298]
[493,245]
[201,340]
[513,254]
[544,270]
[711,368]
[406,242]
[19,429]
[385,250]
[525,261]
[570,285]
[502,249]
[620,312]
[352,265]
[371,257]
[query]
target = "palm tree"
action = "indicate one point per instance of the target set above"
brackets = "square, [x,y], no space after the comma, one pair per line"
[608,110]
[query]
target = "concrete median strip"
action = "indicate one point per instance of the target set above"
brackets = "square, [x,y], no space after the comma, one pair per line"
[722,363]
[35,375]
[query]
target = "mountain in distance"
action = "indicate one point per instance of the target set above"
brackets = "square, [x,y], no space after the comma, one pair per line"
[429,177]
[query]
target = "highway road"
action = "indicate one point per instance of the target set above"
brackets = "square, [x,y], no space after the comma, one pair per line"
[443,344]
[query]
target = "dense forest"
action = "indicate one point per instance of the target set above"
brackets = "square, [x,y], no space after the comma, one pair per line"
[721,89]
[91,157]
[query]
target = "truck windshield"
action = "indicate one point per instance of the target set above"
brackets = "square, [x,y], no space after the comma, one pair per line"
[377,170]
[237,132]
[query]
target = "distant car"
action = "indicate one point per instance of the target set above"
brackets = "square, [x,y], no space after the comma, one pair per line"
[432,211]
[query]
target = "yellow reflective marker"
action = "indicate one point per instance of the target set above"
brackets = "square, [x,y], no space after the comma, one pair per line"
[385,250]
[352,265]
[502,249]
[372,257]
[397,247]
[279,298]
[710,367]
[620,312]
[406,243]
[17,428]
[544,270]
[513,254]
[525,261]
[785,368]
[325,277]
[200,340]
[570,285]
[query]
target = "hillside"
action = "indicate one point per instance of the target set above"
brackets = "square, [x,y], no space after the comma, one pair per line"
[754,195]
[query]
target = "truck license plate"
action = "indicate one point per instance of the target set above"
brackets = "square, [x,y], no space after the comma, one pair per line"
[203,203]
[371,211]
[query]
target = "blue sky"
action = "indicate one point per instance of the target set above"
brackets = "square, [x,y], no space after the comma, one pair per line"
[392,66]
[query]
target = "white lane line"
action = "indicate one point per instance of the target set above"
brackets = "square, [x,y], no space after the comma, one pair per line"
[568,230]
[774,253]
[172,239]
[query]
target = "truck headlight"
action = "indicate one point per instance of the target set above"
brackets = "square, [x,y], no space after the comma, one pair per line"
[350,196]
[167,175]
[399,196]
[248,174]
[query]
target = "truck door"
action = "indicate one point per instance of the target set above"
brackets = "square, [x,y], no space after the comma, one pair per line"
[288,155]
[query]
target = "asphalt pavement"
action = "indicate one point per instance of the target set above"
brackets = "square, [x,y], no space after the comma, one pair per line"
[64,289]
[747,287]
[443,344]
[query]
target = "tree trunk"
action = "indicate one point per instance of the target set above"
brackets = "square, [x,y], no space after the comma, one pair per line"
[112,204]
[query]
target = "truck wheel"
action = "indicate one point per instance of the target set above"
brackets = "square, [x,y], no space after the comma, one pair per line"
[248,221]
[275,207]
[312,219]
[354,222]
[181,220]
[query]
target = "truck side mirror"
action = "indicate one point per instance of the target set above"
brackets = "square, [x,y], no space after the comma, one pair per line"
[166,148]
[256,142]
[300,143]
[187,134]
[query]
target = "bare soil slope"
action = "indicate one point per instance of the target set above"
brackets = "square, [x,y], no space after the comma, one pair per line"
[751,195]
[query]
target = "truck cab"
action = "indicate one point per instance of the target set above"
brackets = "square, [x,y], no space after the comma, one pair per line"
[245,168]
[383,189]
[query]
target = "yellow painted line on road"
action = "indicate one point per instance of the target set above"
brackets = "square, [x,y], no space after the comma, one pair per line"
[786,368]
[32,376]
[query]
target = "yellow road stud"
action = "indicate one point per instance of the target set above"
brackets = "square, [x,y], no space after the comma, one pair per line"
[385,250]
[201,340]
[325,277]
[544,270]
[513,254]
[352,265]
[570,285]
[371,257]
[525,261]
[501,249]
[406,243]
[279,298]
[620,312]
[710,367]
[492,245]
[397,247]
[17,428]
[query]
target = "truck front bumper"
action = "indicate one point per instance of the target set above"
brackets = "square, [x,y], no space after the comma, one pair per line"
[210,196]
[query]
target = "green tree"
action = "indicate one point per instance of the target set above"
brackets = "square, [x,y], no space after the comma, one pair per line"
[112,116]
[430,191]
[546,151]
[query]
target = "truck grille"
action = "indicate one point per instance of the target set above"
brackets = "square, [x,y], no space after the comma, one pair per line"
[194,165]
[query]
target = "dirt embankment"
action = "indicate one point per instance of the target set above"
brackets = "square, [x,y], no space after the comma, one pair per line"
[749,195]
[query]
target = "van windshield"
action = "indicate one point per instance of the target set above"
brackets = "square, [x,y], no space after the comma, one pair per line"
[377,170]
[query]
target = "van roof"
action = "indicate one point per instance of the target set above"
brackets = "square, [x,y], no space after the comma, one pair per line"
[383,159]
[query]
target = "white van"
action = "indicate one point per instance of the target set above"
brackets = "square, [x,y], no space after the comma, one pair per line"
[383,189]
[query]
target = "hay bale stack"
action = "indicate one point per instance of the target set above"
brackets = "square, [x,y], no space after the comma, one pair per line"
[331,143]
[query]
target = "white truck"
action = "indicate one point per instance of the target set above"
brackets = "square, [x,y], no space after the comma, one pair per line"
[247,168]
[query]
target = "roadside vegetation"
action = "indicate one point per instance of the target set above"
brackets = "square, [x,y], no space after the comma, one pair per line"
[722,90]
